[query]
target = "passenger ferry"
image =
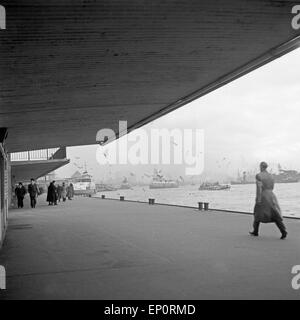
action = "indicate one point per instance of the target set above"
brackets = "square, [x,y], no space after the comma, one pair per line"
[84,185]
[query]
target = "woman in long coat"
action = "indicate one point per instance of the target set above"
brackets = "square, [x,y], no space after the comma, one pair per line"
[52,194]
[266,209]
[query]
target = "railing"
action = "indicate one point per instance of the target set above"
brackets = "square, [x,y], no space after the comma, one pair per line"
[43,154]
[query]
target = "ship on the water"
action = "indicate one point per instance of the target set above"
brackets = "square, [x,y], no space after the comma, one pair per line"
[125,184]
[100,187]
[244,179]
[160,182]
[83,184]
[214,186]
[286,176]
[283,176]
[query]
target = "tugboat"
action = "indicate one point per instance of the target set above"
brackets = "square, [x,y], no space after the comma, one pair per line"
[125,184]
[214,186]
[159,182]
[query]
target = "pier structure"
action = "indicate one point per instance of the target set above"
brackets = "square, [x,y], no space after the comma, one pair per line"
[93,248]
[69,70]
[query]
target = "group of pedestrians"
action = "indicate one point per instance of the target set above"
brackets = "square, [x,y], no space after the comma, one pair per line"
[32,189]
[57,192]
[266,207]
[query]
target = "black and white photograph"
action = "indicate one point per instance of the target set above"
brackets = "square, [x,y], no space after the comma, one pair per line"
[149,153]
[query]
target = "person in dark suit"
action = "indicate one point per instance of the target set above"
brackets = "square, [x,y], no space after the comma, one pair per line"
[20,192]
[33,192]
[266,209]
[52,194]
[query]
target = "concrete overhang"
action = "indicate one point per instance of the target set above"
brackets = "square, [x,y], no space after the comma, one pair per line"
[25,170]
[70,68]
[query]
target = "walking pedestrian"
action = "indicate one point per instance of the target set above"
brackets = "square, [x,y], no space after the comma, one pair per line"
[59,192]
[20,192]
[64,192]
[33,192]
[52,194]
[266,209]
[70,192]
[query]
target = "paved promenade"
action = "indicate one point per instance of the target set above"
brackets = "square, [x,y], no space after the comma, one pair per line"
[101,249]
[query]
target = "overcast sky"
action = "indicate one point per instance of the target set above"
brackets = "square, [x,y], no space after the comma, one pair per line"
[252,119]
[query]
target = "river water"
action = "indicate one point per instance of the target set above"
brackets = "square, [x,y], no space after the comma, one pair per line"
[238,198]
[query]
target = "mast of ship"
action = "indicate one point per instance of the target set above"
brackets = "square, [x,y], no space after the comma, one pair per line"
[238,175]
[244,176]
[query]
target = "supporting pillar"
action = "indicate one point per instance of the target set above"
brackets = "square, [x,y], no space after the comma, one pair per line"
[206,206]
[4,192]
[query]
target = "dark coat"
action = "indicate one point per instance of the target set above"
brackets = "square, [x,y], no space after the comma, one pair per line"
[266,208]
[20,192]
[33,190]
[52,193]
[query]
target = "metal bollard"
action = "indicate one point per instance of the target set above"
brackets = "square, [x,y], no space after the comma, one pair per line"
[206,204]
[102,196]
[200,205]
[122,198]
[151,201]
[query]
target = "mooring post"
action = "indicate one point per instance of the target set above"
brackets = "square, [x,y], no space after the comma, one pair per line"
[151,201]
[200,205]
